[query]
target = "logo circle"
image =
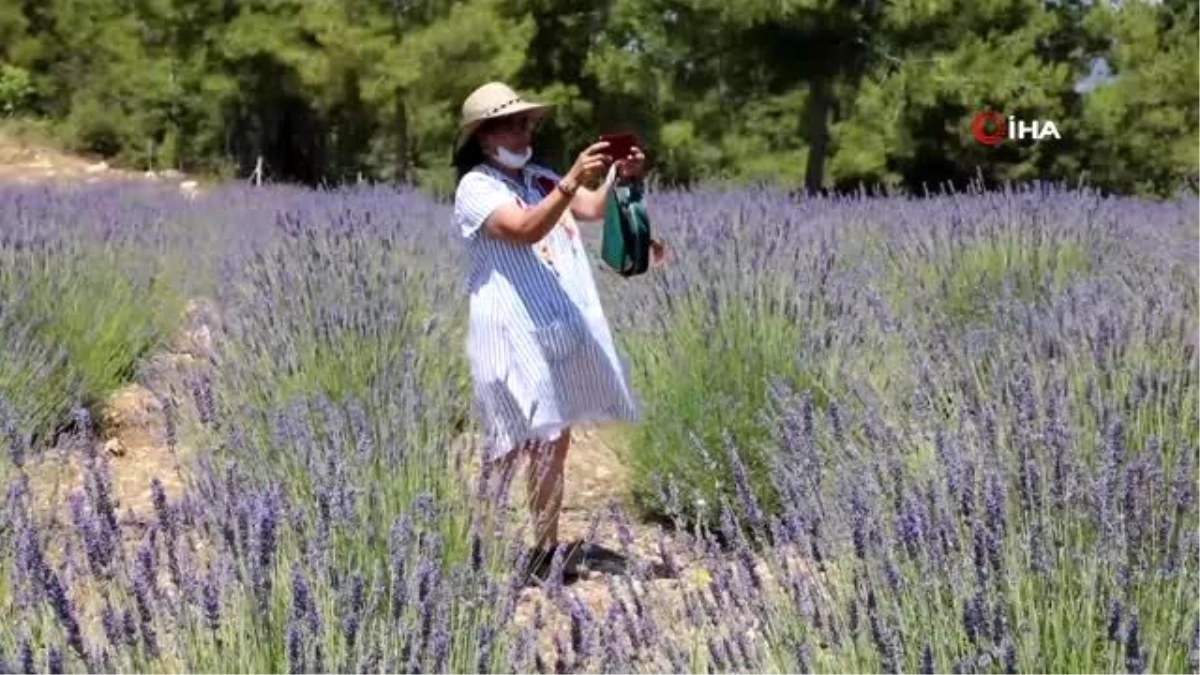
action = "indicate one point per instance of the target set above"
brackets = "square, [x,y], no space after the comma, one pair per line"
[980,123]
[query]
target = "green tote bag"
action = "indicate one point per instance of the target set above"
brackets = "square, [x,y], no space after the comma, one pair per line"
[625,240]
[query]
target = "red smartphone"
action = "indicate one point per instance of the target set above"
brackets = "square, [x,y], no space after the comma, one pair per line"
[619,145]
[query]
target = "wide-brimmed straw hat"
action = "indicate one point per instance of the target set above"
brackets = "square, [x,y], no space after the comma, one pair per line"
[490,101]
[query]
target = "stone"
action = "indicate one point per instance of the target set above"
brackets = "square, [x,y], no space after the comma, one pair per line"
[132,409]
[196,336]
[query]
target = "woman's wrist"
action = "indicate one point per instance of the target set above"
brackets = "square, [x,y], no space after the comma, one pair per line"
[568,185]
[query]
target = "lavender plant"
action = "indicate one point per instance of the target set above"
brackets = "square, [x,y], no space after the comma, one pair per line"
[950,434]
[88,286]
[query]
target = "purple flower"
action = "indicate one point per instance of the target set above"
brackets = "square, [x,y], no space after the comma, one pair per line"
[54,660]
[171,423]
[111,624]
[1114,457]
[1135,660]
[211,598]
[860,519]
[295,647]
[745,491]
[129,627]
[25,656]
[353,610]
[90,530]
[973,618]
[267,519]
[143,595]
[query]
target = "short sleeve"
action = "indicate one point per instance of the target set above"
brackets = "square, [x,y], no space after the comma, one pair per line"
[477,195]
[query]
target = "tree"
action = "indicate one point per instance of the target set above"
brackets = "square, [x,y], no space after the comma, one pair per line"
[1140,131]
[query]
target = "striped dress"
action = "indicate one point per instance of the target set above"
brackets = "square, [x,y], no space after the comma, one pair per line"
[541,352]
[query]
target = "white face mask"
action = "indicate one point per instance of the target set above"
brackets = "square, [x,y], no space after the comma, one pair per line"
[513,160]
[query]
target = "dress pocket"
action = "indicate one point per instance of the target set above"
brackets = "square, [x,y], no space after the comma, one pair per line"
[560,338]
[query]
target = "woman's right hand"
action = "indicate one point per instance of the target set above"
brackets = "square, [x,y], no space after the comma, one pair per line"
[590,163]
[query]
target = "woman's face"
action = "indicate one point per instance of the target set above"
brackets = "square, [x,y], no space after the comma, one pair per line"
[513,132]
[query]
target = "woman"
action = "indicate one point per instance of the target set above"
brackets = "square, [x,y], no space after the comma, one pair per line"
[541,352]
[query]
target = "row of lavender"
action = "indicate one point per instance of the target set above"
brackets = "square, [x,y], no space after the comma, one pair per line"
[967,442]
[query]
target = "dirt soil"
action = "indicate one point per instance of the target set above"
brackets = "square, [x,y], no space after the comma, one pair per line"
[28,161]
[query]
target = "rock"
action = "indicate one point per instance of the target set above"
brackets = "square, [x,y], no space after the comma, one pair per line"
[115,447]
[99,167]
[131,410]
[201,339]
[196,336]
[189,188]
[171,174]
[150,175]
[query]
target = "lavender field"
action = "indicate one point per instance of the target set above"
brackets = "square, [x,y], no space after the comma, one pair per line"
[955,433]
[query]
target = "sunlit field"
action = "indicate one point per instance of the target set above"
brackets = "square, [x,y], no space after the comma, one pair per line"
[953,433]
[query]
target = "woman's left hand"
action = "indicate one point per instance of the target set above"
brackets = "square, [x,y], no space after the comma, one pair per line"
[634,165]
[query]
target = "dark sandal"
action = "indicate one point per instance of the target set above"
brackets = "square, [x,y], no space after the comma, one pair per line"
[581,559]
[586,557]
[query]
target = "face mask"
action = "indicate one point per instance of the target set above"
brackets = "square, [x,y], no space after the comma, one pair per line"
[513,160]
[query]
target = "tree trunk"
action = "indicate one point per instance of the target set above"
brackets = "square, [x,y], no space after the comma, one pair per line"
[402,149]
[820,101]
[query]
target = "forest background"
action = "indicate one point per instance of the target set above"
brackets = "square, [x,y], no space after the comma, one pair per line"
[813,94]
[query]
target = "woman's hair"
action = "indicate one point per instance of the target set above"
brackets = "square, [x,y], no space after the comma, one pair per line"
[470,154]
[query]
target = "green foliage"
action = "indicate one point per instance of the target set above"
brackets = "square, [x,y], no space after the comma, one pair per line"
[16,89]
[37,383]
[881,94]
[343,357]
[79,326]
[968,280]
[104,317]
[705,375]
[1148,116]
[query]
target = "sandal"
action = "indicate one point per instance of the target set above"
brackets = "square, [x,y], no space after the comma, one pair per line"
[581,559]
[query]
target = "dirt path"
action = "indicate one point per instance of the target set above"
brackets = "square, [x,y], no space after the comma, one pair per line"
[596,480]
[26,161]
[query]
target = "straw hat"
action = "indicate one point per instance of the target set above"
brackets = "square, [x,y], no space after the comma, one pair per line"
[492,100]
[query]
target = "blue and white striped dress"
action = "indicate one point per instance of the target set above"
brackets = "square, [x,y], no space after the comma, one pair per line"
[541,352]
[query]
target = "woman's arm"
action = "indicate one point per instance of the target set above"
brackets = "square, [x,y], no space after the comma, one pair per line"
[527,226]
[589,204]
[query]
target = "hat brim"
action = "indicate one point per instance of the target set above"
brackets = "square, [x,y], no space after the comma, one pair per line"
[467,129]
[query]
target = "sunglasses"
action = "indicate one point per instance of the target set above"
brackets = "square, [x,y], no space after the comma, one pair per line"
[520,122]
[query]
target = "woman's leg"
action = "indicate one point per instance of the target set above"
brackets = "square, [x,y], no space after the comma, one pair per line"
[545,487]
[544,482]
